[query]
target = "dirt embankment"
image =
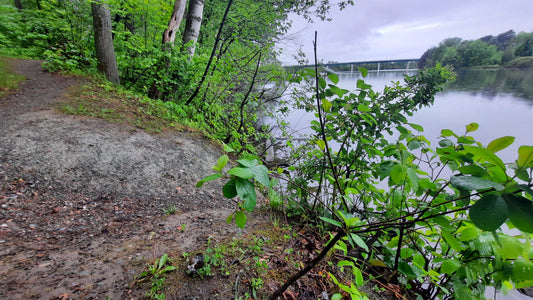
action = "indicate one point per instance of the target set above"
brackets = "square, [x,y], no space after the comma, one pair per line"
[82,200]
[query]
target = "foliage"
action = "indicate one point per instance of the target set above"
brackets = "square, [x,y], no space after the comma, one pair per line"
[486,51]
[240,184]
[156,273]
[8,80]
[430,215]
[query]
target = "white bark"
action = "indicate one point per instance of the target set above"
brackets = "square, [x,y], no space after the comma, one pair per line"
[174,23]
[193,24]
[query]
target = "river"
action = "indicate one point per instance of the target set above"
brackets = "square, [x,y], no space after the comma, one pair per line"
[500,101]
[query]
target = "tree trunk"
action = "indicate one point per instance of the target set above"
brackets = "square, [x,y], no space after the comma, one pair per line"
[217,40]
[174,23]
[193,24]
[103,41]
[18,4]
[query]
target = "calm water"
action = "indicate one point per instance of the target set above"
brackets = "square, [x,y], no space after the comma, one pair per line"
[500,101]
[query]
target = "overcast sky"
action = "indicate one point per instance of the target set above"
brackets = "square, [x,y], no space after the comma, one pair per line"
[392,29]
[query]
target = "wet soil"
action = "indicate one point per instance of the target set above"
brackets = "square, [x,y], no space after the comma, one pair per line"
[82,200]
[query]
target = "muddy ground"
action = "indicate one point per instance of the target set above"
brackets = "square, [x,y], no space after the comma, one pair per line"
[82,199]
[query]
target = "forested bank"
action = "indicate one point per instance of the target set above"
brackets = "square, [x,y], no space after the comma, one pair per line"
[507,49]
[398,216]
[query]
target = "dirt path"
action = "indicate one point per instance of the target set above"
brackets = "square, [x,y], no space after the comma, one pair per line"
[82,200]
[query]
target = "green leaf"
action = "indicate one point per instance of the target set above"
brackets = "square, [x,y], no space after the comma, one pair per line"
[449,266]
[248,163]
[341,246]
[447,132]
[416,127]
[485,155]
[228,149]
[470,183]
[469,233]
[331,221]
[326,105]
[520,212]
[472,127]
[246,191]
[243,173]
[221,163]
[477,171]
[321,83]
[406,269]
[261,175]
[397,174]
[510,247]
[445,143]
[333,77]
[522,270]
[500,143]
[208,178]
[489,212]
[361,84]
[240,219]
[358,241]
[363,71]
[452,241]
[321,144]
[229,219]
[363,108]
[525,157]
[228,190]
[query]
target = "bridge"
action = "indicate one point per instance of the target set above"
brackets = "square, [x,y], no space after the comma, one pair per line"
[373,65]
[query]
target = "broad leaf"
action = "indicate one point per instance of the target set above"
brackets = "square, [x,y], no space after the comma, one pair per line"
[489,212]
[326,105]
[321,83]
[240,219]
[248,162]
[228,190]
[416,127]
[208,178]
[500,143]
[472,127]
[363,108]
[485,155]
[243,173]
[245,190]
[364,72]
[525,157]
[447,132]
[449,266]
[333,77]
[331,221]
[358,241]
[261,175]
[221,163]
[470,183]
[397,174]
[520,212]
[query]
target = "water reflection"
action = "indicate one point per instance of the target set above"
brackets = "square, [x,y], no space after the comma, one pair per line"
[491,83]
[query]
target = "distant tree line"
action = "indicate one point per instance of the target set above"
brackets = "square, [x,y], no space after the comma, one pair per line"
[505,49]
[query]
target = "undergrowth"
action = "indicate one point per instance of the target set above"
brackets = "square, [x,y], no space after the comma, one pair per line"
[8,79]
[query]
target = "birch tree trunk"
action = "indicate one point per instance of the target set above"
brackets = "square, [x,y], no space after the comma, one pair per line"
[103,42]
[193,24]
[174,23]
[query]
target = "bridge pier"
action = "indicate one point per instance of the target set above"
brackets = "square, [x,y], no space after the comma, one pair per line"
[379,66]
